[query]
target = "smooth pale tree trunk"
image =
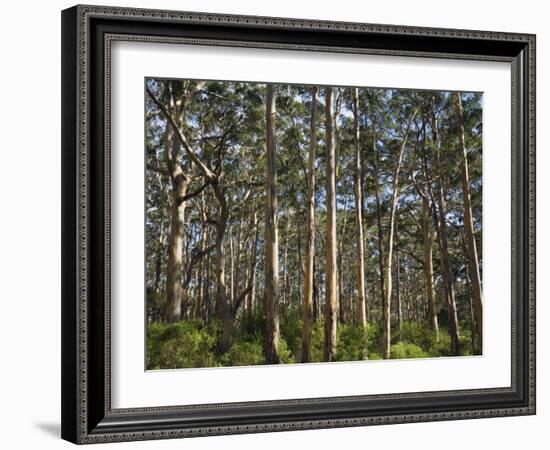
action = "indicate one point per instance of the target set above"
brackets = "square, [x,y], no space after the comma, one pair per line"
[358,190]
[469,225]
[376,157]
[310,246]
[175,258]
[223,300]
[271,235]
[468,291]
[386,307]
[447,273]
[428,240]
[231,245]
[331,307]
[180,182]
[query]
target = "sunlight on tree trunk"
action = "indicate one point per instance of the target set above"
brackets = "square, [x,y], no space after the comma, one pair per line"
[331,307]
[310,250]
[272,235]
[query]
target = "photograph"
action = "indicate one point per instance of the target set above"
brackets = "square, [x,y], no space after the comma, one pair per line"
[291,219]
[293,223]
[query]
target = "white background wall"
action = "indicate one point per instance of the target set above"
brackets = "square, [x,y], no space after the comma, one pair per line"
[30,224]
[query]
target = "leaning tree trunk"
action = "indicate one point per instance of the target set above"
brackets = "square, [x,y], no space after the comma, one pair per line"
[331,311]
[271,238]
[310,251]
[469,226]
[386,306]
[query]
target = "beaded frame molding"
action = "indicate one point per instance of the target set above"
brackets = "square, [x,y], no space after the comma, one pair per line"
[87,34]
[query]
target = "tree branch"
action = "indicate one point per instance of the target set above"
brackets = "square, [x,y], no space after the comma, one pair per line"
[192,154]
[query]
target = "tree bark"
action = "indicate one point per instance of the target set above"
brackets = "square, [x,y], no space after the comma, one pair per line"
[331,312]
[447,274]
[180,182]
[310,249]
[376,158]
[428,240]
[285,282]
[386,307]
[250,298]
[398,282]
[469,225]
[358,189]
[223,301]
[468,291]
[271,238]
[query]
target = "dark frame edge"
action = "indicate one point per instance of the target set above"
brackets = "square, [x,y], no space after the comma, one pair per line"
[69,305]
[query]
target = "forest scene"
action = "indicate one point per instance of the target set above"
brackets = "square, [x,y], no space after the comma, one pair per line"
[292,223]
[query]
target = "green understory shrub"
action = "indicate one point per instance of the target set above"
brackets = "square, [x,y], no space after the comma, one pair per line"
[407,350]
[178,345]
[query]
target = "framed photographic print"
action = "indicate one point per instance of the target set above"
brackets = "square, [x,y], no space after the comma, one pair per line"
[267,222]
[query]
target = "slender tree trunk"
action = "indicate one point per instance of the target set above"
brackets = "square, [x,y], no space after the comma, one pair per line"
[272,238]
[376,157]
[358,189]
[252,266]
[331,313]
[428,239]
[310,249]
[469,295]
[316,294]
[285,259]
[469,225]
[158,263]
[386,308]
[339,250]
[237,262]
[201,270]
[398,283]
[162,232]
[448,277]
[207,294]
[232,287]
[223,300]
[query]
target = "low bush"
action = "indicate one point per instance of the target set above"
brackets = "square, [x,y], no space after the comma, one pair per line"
[403,350]
[178,345]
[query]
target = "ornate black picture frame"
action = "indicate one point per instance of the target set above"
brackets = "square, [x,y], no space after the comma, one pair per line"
[87,34]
